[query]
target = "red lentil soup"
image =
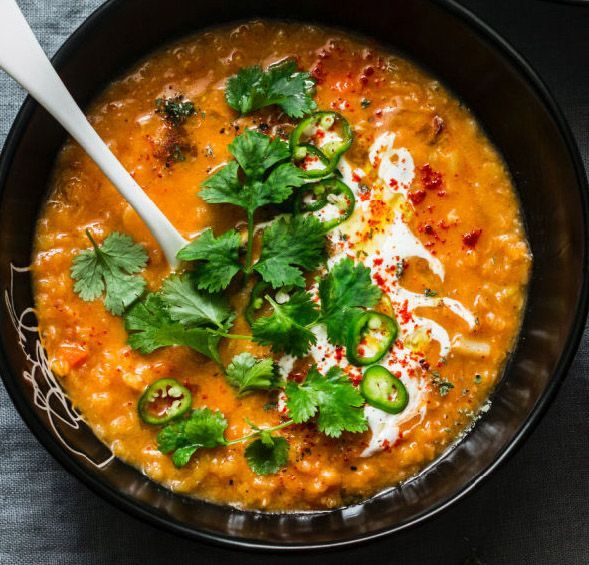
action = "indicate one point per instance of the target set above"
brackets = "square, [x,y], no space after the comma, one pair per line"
[435,238]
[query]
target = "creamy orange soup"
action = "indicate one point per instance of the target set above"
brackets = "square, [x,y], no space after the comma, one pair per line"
[433,200]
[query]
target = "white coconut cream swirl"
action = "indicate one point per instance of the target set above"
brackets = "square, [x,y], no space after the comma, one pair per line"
[383,251]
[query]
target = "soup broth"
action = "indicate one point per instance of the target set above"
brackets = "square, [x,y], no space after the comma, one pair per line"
[436,221]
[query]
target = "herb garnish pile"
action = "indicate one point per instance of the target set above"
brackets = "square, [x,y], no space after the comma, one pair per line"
[191,309]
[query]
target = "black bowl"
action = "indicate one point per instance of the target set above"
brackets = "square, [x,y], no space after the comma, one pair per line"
[520,117]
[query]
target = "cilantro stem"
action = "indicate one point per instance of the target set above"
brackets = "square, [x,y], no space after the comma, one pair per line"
[89,236]
[233,336]
[250,242]
[259,431]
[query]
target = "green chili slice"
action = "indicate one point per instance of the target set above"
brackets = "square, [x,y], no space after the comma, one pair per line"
[370,338]
[315,196]
[329,153]
[306,150]
[163,401]
[383,390]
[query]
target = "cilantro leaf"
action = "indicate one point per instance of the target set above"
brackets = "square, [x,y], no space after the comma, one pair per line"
[255,154]
[288,247]
[346,288]
[190,307]
[204,428]
[267,455]
[224,187]
[175,110]
[252,88]
[287,328]
[218,256]
[150,327]
[247,373]
[110,267]
[333,397]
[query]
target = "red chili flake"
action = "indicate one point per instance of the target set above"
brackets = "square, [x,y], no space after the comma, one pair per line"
[471,238]
[429,229]
[417,196]
[380,282]
[377,262]
[431,179]
[356,177]
[339,353]
[406,316]
[356,378]
[442,193]
[393,184]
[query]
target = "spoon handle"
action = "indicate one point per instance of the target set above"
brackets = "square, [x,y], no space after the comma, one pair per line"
[22,57]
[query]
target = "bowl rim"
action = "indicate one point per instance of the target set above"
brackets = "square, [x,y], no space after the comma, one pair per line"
[149,515]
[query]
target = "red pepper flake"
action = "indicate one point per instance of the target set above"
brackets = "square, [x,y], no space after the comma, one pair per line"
[339,353]
[380,282]
[406,316]
[430,179]
[471,238]
[356,177]
[356,378]
[377,262]
[417,196]
[394,184]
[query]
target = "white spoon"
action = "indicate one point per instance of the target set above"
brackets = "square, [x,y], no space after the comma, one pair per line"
[22,57]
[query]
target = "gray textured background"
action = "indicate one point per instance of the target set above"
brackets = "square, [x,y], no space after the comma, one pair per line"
[535,509]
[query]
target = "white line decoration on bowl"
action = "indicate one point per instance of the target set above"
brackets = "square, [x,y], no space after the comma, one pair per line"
[48,395]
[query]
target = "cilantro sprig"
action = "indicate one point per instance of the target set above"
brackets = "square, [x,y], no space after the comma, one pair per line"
[259,175]
[110,269]
[205,429]
[281,84]
[333,398]
[179,315]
